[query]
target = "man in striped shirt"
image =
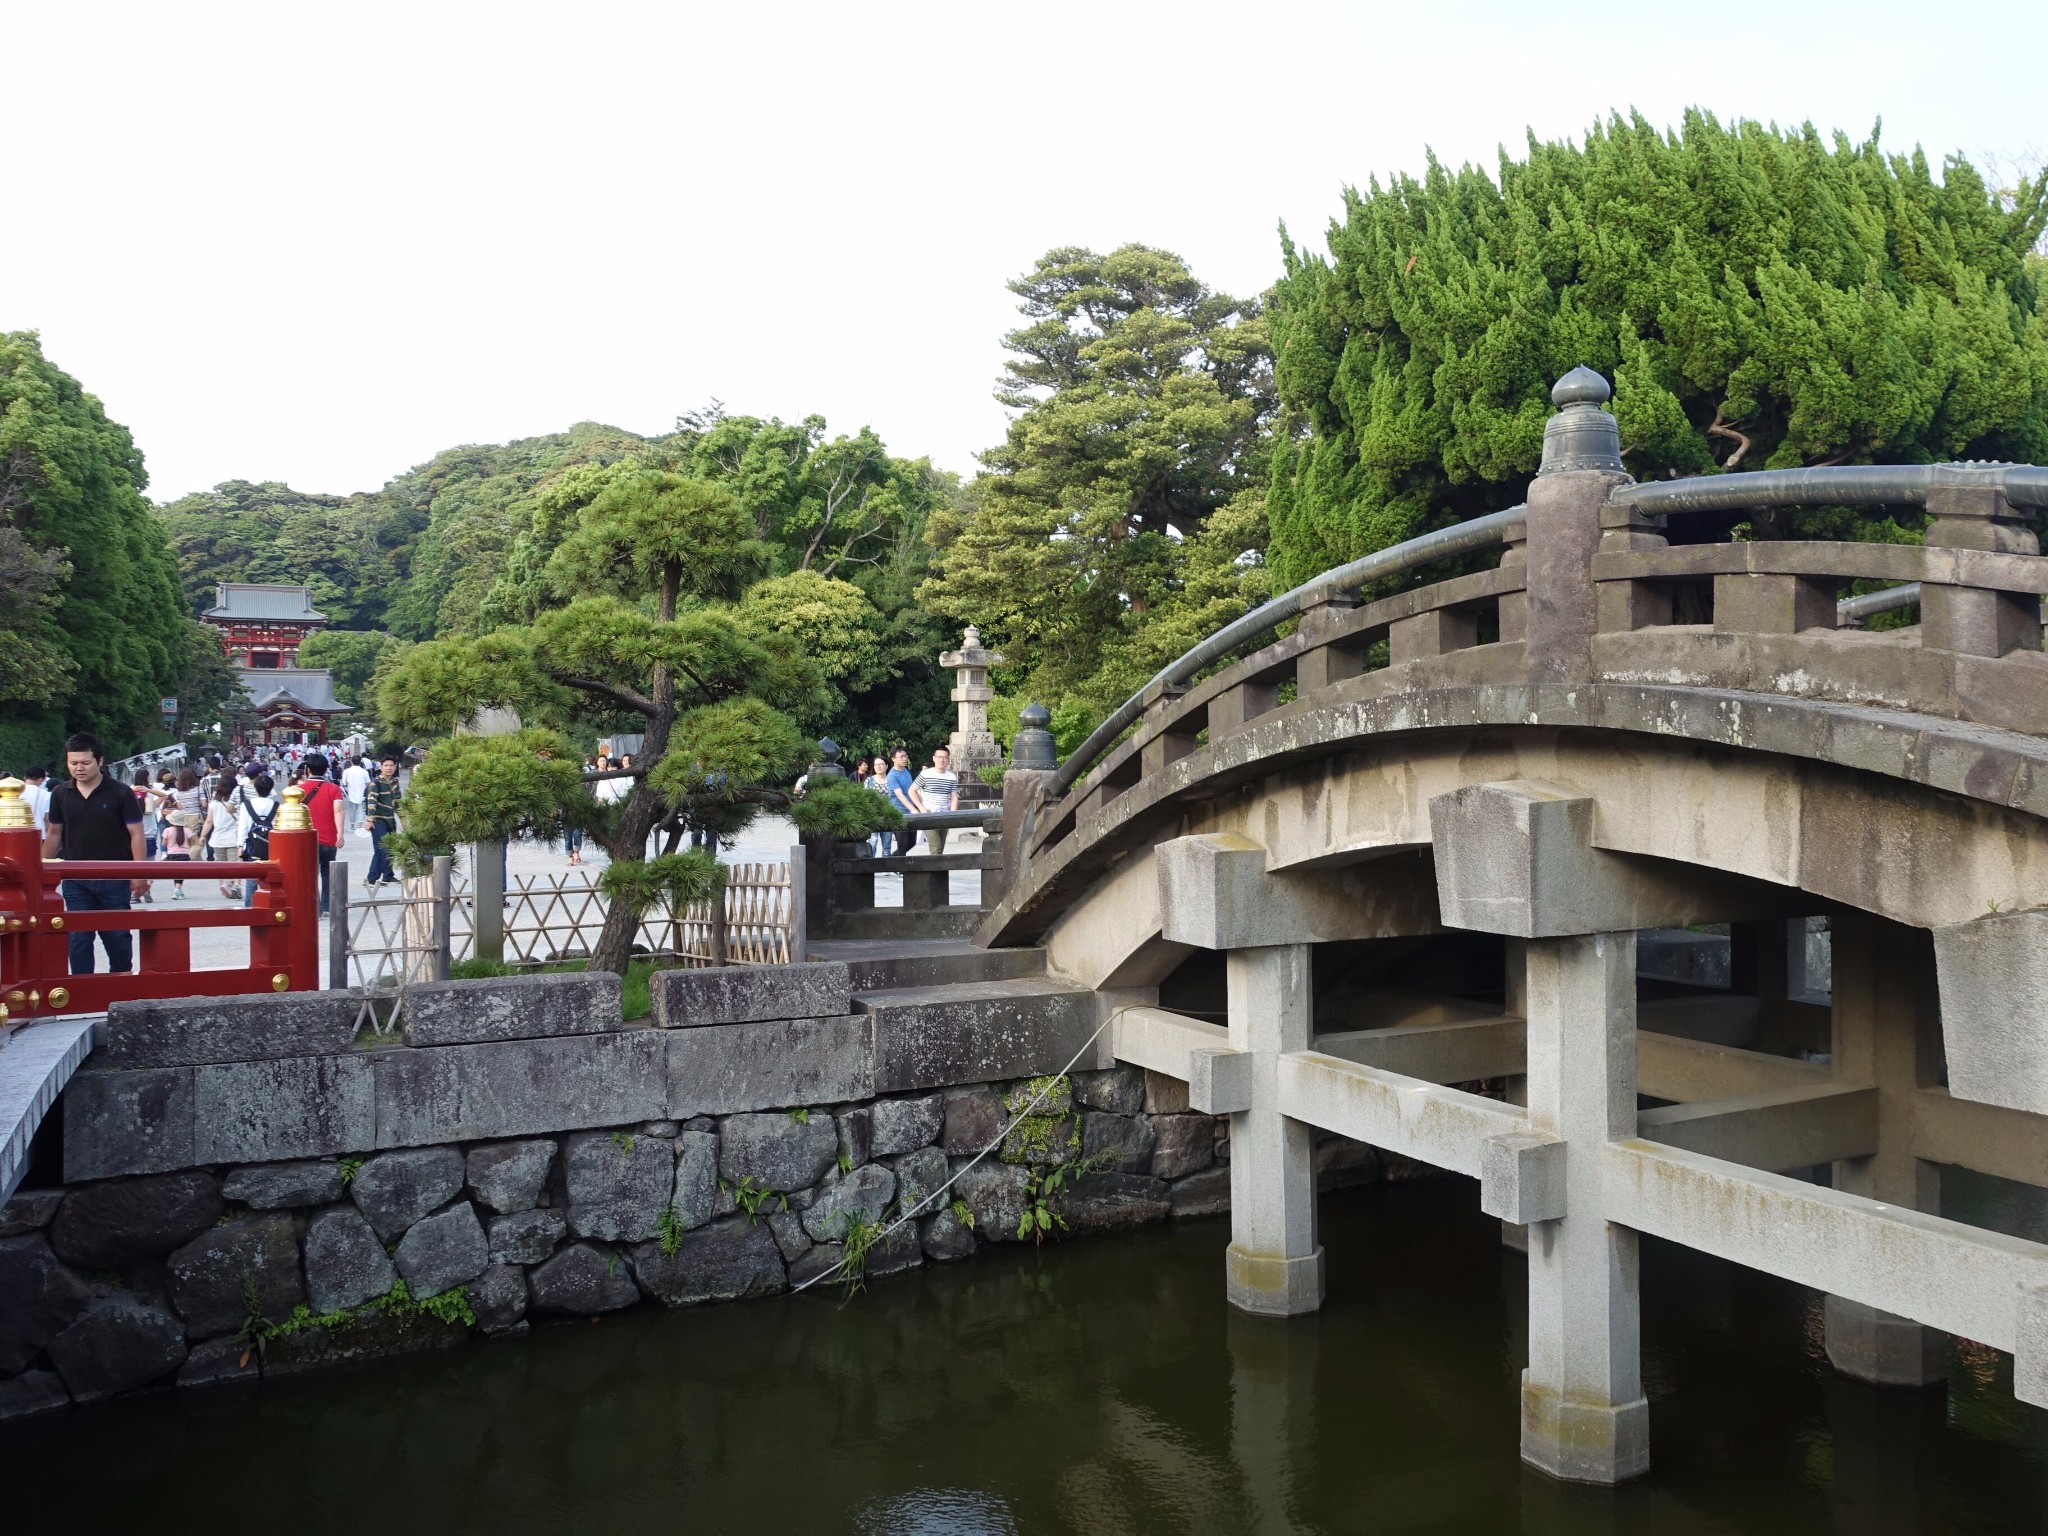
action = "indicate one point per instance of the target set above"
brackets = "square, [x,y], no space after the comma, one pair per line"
[937,789]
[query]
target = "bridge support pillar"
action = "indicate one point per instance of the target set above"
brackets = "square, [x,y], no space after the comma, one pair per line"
[1584,1416]
[1884,1023]
[1274,1265]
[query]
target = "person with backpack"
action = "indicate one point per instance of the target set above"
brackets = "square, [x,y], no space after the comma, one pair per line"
[258,813]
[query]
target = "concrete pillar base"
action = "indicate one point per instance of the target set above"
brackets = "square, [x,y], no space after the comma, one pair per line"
[1272,1286]
[1584,1442]
[1882,1348]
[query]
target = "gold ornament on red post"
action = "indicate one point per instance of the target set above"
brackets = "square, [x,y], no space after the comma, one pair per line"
[293,816]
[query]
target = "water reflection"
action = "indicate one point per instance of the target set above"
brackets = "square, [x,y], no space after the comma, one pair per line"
[1101,1386]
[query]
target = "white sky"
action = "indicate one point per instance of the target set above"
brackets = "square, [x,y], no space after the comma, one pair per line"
[318,244]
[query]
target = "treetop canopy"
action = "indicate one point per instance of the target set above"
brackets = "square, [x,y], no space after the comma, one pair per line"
[1759,297]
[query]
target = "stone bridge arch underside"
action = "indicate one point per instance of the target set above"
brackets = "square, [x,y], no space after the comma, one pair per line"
[1563,822]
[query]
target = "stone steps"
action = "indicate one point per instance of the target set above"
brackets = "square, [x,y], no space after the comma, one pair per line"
[907,922]
[938,964]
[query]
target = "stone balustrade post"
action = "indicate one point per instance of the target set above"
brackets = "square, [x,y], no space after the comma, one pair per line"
[1580,469]
[1968,620]
[1034,762]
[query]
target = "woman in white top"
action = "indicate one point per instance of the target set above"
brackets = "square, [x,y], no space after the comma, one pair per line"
[222,833]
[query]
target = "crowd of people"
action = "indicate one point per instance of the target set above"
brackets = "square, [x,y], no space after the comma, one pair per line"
[912,791]
[214,811]
[221,809]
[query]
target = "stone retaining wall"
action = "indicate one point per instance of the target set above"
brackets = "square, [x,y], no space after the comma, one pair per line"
[222,1272]
[251,1188]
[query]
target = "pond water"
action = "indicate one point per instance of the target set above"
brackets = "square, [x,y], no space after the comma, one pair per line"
[1097,1385]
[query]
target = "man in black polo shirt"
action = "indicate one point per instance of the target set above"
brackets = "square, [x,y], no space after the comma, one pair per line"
[92,817]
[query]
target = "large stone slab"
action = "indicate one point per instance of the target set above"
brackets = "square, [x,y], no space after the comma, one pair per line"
[858,1197]
[442,1252]
[106,1226]
[509,1175]
[29,1211]
[498,1298]
[118,1343]
[39,1297]
[345,1264]
[526,1237]
[721,1262]
[993,1193]
[724,1069]
[1122,1142]
[1183,1144]
[518,1087]
[618,1184]
[582,1280]
[904,1125]
[977,1033]
[127,1122]
[230,1273]
[512,1008]
[396,1189]
[920,1175]
[697,1197]
[192,1031]
[777,1150]
[742,994]
[1106,1201]
[265,1111]
[285,1186]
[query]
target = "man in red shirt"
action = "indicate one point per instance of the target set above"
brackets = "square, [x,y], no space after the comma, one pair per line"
[322,802]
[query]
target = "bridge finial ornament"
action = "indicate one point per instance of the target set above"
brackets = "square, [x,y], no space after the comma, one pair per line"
[14,811]
[1032,746]
[1580,435]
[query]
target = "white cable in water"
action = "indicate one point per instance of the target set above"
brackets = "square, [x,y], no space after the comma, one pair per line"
[931,1201]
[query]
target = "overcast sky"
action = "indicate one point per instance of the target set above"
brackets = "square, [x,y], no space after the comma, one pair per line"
[318,244]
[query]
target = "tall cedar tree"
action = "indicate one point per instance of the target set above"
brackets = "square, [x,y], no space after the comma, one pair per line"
[1760,298]
[88,589]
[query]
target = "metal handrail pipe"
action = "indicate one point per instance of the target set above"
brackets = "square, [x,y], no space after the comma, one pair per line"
[1849,485]
[989,819]
[1392,561]
[1851,609]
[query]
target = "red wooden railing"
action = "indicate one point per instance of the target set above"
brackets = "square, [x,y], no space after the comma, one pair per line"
[35,930]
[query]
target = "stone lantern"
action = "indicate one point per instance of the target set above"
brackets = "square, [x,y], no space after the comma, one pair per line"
[972,745]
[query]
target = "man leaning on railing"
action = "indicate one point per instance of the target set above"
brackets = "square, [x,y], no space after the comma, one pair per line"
[92,817]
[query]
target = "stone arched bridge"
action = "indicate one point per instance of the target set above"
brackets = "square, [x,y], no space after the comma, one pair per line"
[1475,833]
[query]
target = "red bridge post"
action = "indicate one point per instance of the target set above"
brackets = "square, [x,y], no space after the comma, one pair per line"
[21,883]
[297,852]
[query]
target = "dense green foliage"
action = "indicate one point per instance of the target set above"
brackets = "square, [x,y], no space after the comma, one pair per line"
[644,628]
[1123,507]
[352,656]
[465,544]
[90,623]
[1759,298]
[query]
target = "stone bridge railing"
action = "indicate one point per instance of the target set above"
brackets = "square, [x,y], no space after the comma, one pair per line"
[1590,590]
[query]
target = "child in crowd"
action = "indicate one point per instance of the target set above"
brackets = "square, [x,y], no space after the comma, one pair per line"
[176,841]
